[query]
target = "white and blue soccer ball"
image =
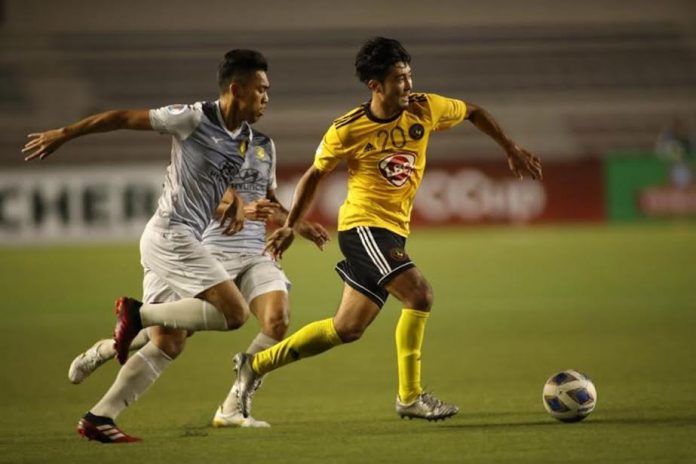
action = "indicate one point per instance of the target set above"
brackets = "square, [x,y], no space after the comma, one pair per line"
[569,396]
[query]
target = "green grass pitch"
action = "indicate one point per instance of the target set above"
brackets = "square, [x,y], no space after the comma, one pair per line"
[512,307]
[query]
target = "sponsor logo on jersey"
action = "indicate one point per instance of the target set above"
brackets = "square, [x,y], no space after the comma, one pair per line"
[249,175]
[225,173]
[250,180]
[260,153]
[416,131]
[397,167]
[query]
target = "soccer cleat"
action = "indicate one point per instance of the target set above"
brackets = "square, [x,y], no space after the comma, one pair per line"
[236,419]
[86,363]
[107,432]
[128,324]
[247,382]
[427,407]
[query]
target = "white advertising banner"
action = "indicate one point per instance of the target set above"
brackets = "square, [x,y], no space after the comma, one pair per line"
[101,203]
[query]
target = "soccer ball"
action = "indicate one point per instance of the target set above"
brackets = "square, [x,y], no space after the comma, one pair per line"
[569,396]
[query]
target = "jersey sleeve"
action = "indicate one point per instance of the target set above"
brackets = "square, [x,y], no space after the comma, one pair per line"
[446,112]
[272,180]
[330,151]
[177,120]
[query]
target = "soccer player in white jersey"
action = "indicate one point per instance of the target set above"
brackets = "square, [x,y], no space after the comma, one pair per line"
[208,141]
[260,279]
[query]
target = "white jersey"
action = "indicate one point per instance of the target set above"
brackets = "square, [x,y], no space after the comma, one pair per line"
[256,176]
[206,157]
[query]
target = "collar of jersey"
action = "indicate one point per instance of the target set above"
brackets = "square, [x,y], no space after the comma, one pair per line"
[244,127]
[374,118]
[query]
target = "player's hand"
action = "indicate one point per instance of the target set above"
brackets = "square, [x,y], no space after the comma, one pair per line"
[314,232]
[230,212]
[522,162]
[279,241]
[260,210]
[42,144]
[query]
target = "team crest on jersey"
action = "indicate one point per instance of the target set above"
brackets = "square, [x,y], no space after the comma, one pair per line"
[416,131]
[398,254]
[397,167]
[176,109]
[260,153]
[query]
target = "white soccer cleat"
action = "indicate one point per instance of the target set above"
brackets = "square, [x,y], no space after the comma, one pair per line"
[427,407]
[86,363]
[247,382]
[236,419]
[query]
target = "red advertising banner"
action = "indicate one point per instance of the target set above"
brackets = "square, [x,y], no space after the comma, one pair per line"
[481,193]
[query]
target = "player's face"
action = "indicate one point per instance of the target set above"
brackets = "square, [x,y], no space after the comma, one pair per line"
[253,97]
[397,85]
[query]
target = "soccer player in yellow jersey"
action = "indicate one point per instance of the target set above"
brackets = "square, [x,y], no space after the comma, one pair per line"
[383,144]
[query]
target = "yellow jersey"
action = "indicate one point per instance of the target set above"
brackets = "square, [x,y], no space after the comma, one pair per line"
[385,159]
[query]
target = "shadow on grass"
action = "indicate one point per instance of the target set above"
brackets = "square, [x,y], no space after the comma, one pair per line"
[610,418]
[487,421]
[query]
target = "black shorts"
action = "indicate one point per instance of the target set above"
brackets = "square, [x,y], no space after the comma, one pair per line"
[374,256]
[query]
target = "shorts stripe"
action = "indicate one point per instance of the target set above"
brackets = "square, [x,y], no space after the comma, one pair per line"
[393,271]
[371,238]
[347,277]
[373,250]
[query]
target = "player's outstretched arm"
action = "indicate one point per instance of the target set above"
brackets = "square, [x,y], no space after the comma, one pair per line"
[42,144]
[519,160]
[307,187]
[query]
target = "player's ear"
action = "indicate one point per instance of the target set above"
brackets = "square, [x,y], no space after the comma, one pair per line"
[375,86]
[235,89]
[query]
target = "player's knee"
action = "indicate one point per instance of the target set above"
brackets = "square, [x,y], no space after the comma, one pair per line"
[236,319]
[421,298]
[236,314]
[350,332]
[172,344]
[275,325]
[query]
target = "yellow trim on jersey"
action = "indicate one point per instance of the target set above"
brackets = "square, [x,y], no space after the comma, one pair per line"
[385,159]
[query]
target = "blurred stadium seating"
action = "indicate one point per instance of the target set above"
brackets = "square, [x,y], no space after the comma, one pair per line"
[565,89]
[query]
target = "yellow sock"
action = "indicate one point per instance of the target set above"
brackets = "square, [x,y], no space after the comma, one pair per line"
[409,339]
[311,339]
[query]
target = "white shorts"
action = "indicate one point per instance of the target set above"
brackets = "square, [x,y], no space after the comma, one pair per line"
[182,267]
[176,264]
[254,274]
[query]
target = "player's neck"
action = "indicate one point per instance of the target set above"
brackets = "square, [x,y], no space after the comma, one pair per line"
[381,109]
[230,114]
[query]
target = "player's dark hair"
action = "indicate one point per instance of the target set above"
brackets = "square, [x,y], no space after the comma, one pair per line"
[377,56]
[239,65]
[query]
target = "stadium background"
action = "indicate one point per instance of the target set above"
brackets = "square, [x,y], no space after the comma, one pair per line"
[592,269]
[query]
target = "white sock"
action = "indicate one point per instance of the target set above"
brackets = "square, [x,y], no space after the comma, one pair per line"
[106,347]
[135,377]
[259,343]
[187,313]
